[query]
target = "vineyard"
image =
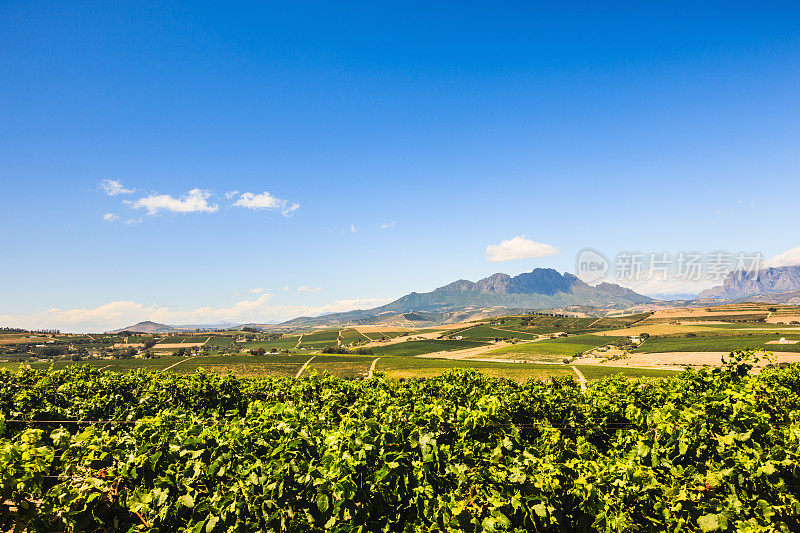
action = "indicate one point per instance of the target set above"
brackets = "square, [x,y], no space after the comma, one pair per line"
[710,450]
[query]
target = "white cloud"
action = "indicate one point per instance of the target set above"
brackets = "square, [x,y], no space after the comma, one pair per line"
[119,314]
[113,217]
[257,290]
[787,258]
[196,201]
[520,247]
[388,224]
[308,289]
[285,288]
[113,188]
[230,194]
[264,201]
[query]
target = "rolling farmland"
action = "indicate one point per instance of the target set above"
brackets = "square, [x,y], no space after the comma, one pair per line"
[412,348]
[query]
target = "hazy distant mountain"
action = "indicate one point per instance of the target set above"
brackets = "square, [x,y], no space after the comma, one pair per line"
[146,327]
[543,288]
[155,327]
[773,284]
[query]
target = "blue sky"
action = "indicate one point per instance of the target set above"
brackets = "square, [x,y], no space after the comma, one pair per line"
[433,131]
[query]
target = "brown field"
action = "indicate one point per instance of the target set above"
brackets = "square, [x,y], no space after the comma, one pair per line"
[678,360]
[175,345]
[657,329]
[776,318]
[17,338]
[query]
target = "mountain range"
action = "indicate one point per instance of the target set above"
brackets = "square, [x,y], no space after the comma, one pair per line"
[542,288]
[775,284]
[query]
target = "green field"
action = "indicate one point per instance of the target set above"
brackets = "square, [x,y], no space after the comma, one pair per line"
[244,365]
[343,366]
[284,343]
[541,324]
[117,365]
[320,339]
[487,333]
[552,348]
[322,335]
[732,318]
[718,343]
[351,335]
[190,339]
[415,367]
[410,348]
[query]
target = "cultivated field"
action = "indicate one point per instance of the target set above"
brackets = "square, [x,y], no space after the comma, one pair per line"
[550,349]
[412,348]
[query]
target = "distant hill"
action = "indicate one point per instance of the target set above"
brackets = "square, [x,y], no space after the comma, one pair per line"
[146,327]
[499,294]
[776,284]
[155,327]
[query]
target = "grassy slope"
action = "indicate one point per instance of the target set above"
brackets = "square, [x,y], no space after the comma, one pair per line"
[566,346]
[351,335]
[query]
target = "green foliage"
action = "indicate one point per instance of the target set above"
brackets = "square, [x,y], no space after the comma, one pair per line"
[713,450]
